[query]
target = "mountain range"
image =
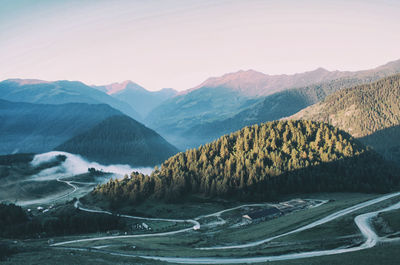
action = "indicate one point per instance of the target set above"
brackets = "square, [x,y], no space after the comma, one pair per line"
[252,83]
[220,105]
[59,92]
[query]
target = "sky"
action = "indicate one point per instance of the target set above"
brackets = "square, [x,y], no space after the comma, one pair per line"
[180,43]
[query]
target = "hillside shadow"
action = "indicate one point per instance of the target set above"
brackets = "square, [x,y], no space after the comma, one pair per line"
[367,173]
[386,142]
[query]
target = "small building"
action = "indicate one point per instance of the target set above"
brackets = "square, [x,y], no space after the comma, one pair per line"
[113,232]
[298,203]
[286,209]
[145,226]
[262,214]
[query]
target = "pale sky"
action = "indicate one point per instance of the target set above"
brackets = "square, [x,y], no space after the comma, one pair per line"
[180,43]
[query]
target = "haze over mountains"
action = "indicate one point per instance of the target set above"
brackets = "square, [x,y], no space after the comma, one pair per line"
[187,119]
[142,100]
[59,92]
[112,136]
[37,128]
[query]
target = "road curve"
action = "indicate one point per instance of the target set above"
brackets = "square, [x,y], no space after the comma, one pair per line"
[195,222]
[78,206]
[75,188]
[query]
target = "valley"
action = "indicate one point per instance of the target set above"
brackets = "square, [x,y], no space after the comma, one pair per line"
[293,190]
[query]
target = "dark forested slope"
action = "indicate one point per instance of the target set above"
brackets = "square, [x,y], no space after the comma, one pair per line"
[120,140]
[26,127]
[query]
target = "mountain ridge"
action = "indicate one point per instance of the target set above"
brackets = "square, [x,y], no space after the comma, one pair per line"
[256,84]
[59,92]
[231,110]
[319,74]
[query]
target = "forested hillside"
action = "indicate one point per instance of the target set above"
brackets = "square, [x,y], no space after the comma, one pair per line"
[15,223]
[261,162]
[370,112]
[120,140]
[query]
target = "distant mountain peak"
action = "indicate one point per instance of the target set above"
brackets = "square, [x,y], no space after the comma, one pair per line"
[118,87]
[22,82]
[169,89]
[320,70]
[241,74]
[246,72]
[393,65]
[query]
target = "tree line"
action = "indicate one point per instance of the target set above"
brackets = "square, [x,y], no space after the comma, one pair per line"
[16,223]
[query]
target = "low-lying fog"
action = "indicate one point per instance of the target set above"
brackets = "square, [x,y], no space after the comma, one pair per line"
[46,187]
[75,164]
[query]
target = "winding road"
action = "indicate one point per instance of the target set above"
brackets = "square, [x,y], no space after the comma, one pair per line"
[195,222]
[362,221]
[75,188]
[78,206]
